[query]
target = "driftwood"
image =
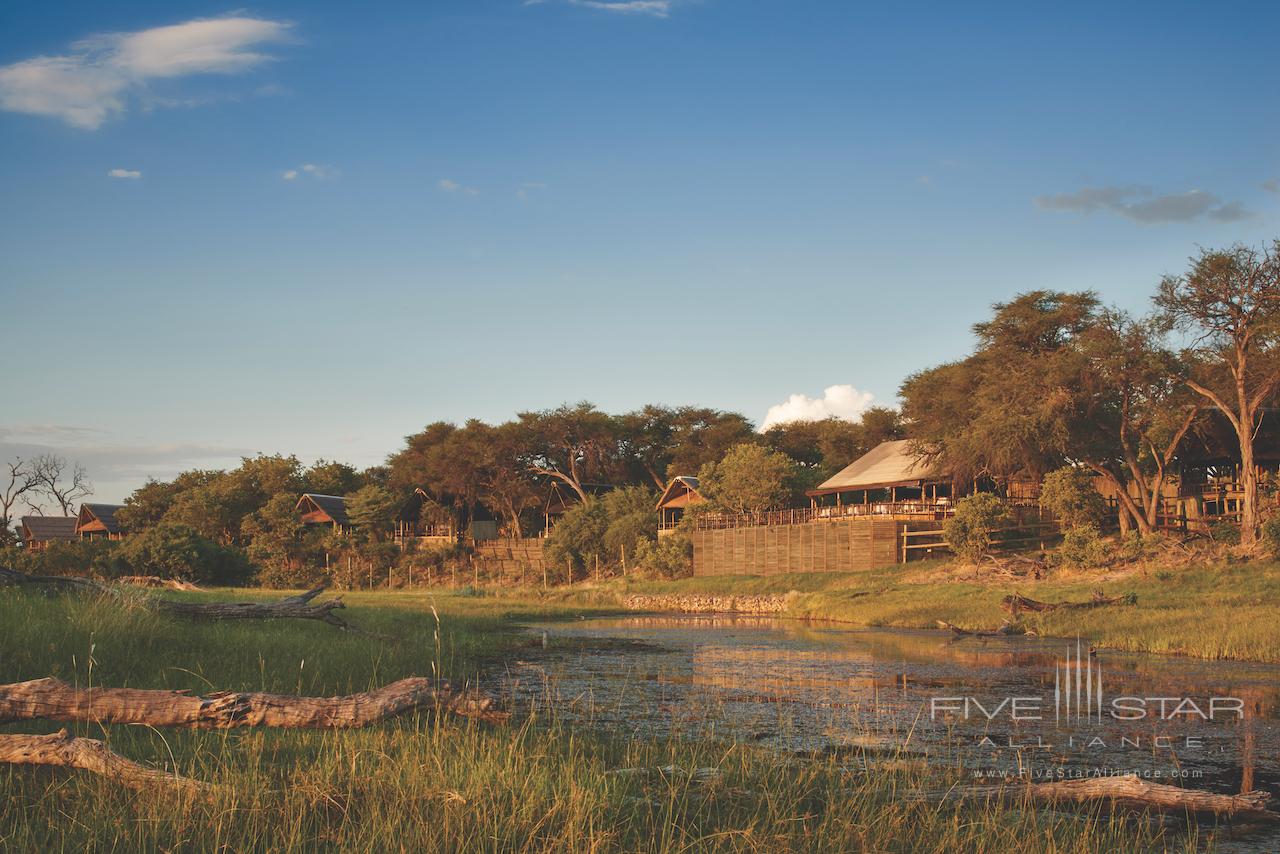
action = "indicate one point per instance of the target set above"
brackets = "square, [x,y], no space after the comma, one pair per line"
[53,699]
[63,751]
[1016,603]
[298,606]
[156,581]
[1131,791]
[1006,629]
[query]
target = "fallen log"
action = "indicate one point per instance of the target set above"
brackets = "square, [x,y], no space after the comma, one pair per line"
[1129,790]
[1006,629]
[297,606]
[87,754]
[53,699]
[1016,603]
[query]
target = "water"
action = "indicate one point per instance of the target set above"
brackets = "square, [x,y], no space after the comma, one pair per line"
[1041,708]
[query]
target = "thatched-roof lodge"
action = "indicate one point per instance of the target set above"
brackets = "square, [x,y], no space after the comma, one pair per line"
[681,494]
[889,477]
[36,532]
[316,509]
[98,521]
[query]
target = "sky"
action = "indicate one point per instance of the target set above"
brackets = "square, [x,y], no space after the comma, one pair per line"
[314,228]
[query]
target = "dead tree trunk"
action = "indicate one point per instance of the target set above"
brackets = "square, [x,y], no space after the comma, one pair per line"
[63,751]
[1017,602]
[1131,791]
[53,699]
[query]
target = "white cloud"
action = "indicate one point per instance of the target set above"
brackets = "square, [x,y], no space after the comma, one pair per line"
[1137,203]
[97,77]
[450,186]
[838,401]
[655,8]
[312,169]
[125,173]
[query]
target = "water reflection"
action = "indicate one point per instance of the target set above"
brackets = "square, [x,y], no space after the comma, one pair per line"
[817,688]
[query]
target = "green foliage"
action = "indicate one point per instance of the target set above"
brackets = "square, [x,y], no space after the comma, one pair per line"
[1083,547]
[749,479]
[666,557]
[972,531]
[1227,533]
[600,528]
[172,550]
[373,509]
[1069,494]
[99,558]
[1271,535]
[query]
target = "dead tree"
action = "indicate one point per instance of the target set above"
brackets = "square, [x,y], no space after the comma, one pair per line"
[63,751]
[53,699]
[1129,790]
[1016,603]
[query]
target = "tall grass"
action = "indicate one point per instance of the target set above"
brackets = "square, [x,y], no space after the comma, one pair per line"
[423,783]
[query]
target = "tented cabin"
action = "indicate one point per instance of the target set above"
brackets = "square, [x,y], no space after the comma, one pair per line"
[316,509]
[887,480]
[421,518]
[36,532]
[98,522]
[561,498]
[681,493]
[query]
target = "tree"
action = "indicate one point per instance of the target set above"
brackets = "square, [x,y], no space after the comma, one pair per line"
[373,510]
[574,445]
[20,481]
[750,479]
[1229,301]
[150,502]
[659,442]
[171,550]
[1011,407]
[972,530]
[332,478]
[1069,494]
[65,483]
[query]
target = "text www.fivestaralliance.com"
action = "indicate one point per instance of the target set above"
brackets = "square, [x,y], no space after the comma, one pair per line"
[1081,773]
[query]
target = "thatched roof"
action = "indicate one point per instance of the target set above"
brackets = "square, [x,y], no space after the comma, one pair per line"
[38,529]
[681,492]
[98,517]
[887,464]
[323,508]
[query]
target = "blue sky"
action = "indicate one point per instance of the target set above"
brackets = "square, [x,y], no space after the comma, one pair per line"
[330,224]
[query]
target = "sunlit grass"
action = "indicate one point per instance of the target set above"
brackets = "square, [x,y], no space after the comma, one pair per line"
[422,783]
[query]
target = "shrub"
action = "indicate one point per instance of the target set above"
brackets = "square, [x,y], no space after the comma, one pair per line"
[70,557]
[972,530]
[667,557]
[1227,533]
[1082,546]
[1271,535]
[174,550]
[1069,494]
[601,528]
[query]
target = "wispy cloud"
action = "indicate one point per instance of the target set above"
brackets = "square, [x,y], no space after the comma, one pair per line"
[125,173]
[528,187]
[1272,186]
[313,170]
[650,8]
[448,185]
[97,77]
[1140,204]
[837,401]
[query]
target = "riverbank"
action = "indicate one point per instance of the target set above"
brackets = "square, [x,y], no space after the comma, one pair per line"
[424,783]
[1214,611]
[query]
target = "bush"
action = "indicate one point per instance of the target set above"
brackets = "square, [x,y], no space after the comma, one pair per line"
[1069,494]
[71,557]
[1271,535]
[601,528]
[972,530]
[1227,533]
[668,557]
[1082,546]
[174,550]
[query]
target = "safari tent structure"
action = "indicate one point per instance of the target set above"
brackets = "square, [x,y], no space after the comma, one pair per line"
[98,522]
[887,480]
[36,532]
[316,509]
[681,494]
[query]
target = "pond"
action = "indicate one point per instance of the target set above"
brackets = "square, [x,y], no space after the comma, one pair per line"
[1042,708]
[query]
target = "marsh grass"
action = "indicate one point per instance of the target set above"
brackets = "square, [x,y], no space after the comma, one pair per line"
[424,783]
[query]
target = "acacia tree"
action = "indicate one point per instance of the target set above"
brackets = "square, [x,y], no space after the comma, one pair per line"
[750,479]
[1229,301]
[570,444]
[65,483]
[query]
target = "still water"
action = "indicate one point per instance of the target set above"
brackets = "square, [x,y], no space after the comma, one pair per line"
[1044,708]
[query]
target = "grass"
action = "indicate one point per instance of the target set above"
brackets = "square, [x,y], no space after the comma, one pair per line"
[422,783]
[1223,611]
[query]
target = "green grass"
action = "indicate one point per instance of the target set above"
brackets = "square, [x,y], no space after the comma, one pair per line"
[1225,611]
[422,783]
